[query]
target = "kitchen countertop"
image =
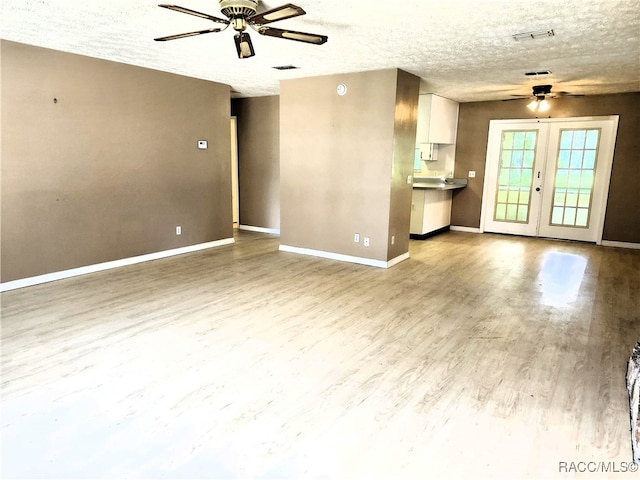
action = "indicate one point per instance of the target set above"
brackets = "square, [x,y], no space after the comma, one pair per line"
[437,183]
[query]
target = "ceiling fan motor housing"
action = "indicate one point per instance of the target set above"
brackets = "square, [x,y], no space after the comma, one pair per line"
[541,90]
[238,8]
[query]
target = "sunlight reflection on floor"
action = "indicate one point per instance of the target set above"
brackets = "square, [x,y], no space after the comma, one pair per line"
[560,278]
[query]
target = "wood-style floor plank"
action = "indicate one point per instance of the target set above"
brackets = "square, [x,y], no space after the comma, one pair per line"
[483,356]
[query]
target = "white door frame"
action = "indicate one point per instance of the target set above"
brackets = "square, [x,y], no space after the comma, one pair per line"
[235,195]
[486,209]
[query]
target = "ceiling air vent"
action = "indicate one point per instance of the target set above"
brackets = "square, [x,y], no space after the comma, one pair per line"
[538,73]
[286,67]
[533,35]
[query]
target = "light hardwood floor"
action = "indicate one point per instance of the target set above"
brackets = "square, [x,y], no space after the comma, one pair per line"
[483,356]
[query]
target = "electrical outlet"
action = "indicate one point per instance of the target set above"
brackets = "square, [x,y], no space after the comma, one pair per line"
[178,230]
[472,174]
[356,237]
[366,241]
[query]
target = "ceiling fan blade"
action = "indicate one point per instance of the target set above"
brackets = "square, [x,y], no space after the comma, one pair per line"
[193,12]
[567,94]
[282,12]
[292,35]
[184,35]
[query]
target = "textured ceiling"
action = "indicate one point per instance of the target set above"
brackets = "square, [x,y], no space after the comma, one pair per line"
[462,49]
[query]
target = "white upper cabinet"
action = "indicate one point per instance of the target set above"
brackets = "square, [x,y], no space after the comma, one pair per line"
[437,119]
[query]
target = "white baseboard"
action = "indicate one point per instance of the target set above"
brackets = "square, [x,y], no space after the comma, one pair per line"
[398,259]
[609,243]
[464,229]
[249,228]
[604,243]
[345,258]
[74,272]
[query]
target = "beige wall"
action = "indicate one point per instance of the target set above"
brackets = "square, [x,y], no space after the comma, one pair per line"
[622,220]
[336,162]
[109,170]
[259,160]
[404,143]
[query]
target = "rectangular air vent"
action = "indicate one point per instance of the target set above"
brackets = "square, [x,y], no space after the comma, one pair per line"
[533,35]
[286,67]
[538,73]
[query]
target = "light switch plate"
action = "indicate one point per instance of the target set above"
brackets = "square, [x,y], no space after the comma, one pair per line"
[202,144]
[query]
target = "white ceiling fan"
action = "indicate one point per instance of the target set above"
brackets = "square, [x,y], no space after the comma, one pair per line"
[243,13]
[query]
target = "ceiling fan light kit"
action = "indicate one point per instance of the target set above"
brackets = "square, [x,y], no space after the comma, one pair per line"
[538,105]
[242,13]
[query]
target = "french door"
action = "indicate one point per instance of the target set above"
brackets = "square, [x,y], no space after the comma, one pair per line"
[549,177]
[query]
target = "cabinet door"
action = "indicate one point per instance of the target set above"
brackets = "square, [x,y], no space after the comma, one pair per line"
[437,120]
[443,122]
[437,210]
[424,119]
[417,211]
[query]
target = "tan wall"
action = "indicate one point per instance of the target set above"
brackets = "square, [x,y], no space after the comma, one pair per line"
[109,170]
[406,117]
[622,220]
[336,160]
[259,160]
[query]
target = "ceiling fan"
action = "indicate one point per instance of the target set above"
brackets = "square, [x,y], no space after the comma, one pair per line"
[540,93]
[241,13]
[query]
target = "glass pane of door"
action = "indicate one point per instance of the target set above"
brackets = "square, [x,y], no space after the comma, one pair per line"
[515,176]
[574,177]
